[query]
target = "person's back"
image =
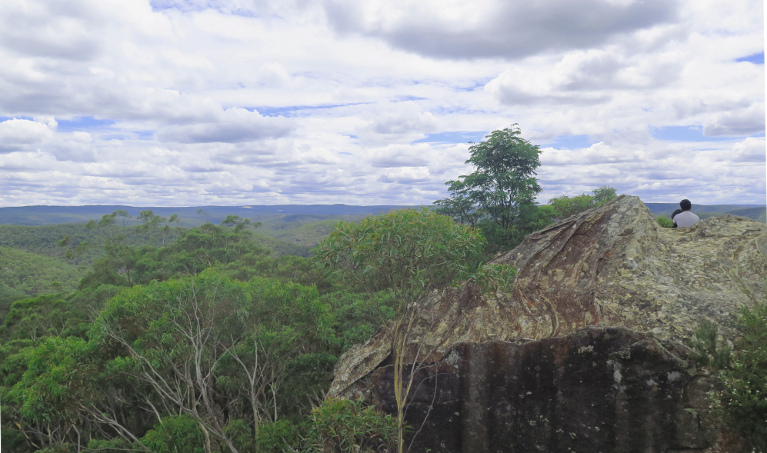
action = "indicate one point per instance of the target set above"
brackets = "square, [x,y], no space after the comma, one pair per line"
[685,218]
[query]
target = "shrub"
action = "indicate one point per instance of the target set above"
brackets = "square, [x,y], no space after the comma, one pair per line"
[174,434]
[745,396]
[743,371]
[341,425]
[708,351]
[665,222]
[278,437]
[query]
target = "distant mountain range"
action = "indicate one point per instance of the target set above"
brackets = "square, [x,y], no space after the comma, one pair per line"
[190,216]
[193,216]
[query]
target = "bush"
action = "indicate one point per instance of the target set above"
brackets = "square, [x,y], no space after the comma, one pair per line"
[743,371]
[341,425]
[745,396]
[708,351]
[174,434]
[278,437]
[665,222]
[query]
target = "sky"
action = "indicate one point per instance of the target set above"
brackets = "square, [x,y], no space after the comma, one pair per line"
[241,102]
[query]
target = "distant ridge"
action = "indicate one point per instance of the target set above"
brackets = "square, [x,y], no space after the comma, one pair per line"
[48,215]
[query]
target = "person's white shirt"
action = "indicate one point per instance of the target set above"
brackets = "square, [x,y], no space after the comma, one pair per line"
[686,219]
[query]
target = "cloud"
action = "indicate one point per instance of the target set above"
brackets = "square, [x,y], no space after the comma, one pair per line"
[737,123]
[19,134]
[339,101]
[49,29]
[751,149]
[496,29]
[233,125]
[401,156]
[407,175]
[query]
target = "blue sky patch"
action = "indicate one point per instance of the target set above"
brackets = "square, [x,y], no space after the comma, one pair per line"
[83,123]
[409,98]
[296,110]
[569,142]
[757,58]
[6,118]
[453,137]
[476,85]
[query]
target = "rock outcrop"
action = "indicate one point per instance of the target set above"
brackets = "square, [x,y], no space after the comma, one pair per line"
[519,369]
[612,265]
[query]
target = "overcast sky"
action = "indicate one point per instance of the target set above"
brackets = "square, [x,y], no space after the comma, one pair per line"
[237,102]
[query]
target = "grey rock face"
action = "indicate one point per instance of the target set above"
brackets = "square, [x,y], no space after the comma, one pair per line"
[599,389]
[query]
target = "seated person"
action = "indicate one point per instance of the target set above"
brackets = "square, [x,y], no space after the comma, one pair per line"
[685,218]
[673,214]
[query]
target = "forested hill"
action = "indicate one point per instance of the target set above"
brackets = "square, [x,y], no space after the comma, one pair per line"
[190,216]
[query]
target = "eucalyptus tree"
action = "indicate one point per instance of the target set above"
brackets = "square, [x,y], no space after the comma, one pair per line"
[501,188]
[213,349]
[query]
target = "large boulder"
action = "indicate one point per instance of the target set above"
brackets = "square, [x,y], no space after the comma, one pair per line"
[601,389]
[611,266]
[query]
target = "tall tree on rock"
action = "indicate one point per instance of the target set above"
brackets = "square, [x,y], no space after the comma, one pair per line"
[500,194]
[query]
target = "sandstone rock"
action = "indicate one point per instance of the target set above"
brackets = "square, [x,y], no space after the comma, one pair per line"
[599,389]
[616,266]
[612,265]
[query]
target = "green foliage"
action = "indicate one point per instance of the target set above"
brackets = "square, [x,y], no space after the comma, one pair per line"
[565,206]
[195,250]
[501,187]
[743,371]
[52,387]
[664,221]
[708,349]
[43,316]
[253,349]
[357,316]
[282,436]
[341,425]
[745,396]
[408,252]
[175,434]
[109,446]
[287,269]
[25,274]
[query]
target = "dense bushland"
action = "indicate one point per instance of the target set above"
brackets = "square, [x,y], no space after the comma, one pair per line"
[205,342]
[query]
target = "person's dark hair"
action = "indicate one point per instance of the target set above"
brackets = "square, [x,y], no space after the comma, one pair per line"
[675,213]
[685,205]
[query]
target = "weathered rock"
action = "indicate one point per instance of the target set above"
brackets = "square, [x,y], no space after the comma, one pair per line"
[597,390]
[616,266]
[612,265]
